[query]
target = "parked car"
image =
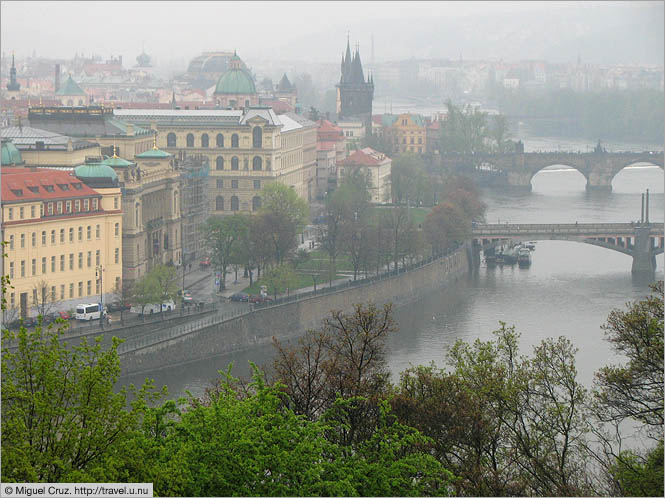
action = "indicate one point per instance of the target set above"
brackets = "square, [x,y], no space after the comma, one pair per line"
[50,318]
[65,315]
[240,297]
[187,297]
[258,298]
[205,263]
[118,306]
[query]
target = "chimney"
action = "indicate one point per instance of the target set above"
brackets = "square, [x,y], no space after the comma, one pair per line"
[130,129]
[57,77]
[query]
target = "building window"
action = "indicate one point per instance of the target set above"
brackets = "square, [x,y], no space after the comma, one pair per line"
[11,242]
[234,141]
[62,291]
[256,203]
[257,163]
[220,140]
[137,214]
[86,204]
[97,231]
[80,289]
[219,163]
[10,213]
[20,211]
[234,203]
[89,232]
[97,257]
[11,269]
[117,229]
[77,206]
[68,207]
[23,268]
[22,241]
[234,163]
[34,267]
[190,140]
[170,140]
[43,237]
[204,140]
[71,290]
[95,204]
[54,296]
[257,184]
[117,255]
[59,207]
[420,140]
[80,260]
[71,260]
[89,287]
[115,203]
[62,262]
[43,265]
[220,183]
[34,239]
[219,203]
[62,235]
[52,236]
[49,208]
[32,211]
[89,259]
[257,137]
[52,264]
[234,183]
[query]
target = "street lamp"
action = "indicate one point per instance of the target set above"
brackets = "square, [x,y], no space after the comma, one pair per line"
[99,275]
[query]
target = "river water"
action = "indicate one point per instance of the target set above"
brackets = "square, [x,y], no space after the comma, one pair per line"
[569,289]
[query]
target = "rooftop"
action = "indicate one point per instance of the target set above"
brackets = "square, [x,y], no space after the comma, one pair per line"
[26,137]
[366,157]
[26,184]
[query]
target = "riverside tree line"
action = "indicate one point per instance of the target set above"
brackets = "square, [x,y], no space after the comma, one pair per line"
[326,419]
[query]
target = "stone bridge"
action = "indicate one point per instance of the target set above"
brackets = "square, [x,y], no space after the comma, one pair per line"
[642,241]
[598,167]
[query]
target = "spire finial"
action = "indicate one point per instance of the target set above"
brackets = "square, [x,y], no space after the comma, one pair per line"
[115,151]
[154,142]
[40,101]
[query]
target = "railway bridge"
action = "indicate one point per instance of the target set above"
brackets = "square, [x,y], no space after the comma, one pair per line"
[641,240]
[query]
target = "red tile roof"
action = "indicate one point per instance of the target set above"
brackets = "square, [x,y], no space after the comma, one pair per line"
[19,179]
[366,157]
[327,131]
[279,106]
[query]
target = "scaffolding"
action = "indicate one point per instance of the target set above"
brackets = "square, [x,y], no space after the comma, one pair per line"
[194,170]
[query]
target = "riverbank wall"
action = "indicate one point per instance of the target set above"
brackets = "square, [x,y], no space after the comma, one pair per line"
[291,319]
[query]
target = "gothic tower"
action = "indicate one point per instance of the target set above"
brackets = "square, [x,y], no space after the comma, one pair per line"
[13,87]
[354,93]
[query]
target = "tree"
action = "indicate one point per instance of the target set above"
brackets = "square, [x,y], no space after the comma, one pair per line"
[123,292]
[62,418]
[221,234]
[43,299]
[408,179]
[635,390]
[446,224]
[275,237]
[157,286]
[330,234]
[279,279]
[499,132]
[637,475]
[281,200]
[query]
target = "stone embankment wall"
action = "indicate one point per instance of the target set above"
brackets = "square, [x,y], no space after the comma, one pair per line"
[292,319]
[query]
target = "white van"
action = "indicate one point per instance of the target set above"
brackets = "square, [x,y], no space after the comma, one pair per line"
[150,309]
[92,311]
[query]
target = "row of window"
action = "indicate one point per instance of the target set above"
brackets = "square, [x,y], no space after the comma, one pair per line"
[88,231]
[54,296]
[235,203]
[63,260]
[51,208]
[420,140]
[257,139]
[257,163]
[234,184]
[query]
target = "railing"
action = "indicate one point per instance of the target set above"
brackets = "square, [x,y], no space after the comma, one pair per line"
[573,228]
[152,338]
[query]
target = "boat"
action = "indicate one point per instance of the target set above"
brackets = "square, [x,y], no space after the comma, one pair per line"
[524,257]
[531,246]
[508,255]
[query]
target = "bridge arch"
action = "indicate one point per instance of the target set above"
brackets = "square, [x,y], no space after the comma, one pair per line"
[577,178]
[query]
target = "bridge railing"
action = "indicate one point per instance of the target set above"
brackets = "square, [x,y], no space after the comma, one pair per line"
[580,228]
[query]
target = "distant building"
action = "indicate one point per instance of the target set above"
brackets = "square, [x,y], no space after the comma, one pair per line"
[235,88]
[354,93]
[405,132]
[71,94]
[13,87]
[330,150]
[286,92]
[194,177]
[376,166]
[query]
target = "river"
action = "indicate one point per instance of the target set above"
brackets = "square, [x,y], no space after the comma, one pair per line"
[569,289]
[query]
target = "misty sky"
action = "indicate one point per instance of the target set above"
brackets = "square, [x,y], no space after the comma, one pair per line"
[174,32]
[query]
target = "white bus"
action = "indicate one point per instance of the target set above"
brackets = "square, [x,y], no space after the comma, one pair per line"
[150,309]
[92,311]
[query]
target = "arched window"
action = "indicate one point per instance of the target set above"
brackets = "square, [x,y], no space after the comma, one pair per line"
[170,140]
[234,203]
[234,141]
[219,163]
[175,202]
[220,140]
[246,103]
[219,203]
[257,137]
[137,217]
[190,140]
[204,140]
[257,163]
[234,163]
[256,203]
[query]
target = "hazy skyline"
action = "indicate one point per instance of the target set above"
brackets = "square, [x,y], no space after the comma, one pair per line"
[173,32]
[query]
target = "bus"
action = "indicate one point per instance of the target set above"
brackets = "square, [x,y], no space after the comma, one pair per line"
[92,311]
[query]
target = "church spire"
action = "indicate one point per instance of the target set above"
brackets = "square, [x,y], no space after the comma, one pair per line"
[13,85]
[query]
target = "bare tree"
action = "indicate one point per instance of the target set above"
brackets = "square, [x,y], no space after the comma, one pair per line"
[42,298]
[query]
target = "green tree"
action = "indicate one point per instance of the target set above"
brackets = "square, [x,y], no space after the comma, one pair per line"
[283,201]
[409,179]
[445,225]
[157,286]
[221,235]
[279,279]
[62,418]
[636,475]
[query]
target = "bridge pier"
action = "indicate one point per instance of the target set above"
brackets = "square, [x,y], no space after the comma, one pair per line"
[644,258]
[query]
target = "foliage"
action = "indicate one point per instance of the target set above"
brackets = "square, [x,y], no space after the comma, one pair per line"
[445,225]
[279,279]
[635,390]
[157,286]
[281,200]
[221,234]
[62,420]
[43,299]
[410,182]
[464,130]
[639,476]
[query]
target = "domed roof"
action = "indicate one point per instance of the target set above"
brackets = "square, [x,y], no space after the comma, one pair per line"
[153,153]
[10,154]
[116,162]
[236,80]
[96,175]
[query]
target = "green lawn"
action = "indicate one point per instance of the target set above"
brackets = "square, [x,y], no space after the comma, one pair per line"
[318,262]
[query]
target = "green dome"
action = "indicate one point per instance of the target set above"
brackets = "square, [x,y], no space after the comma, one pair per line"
[10,154]
[96,175]
[153,153]
[235,81]
[116,162]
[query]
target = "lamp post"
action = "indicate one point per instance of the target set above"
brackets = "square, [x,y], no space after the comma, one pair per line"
[99,273]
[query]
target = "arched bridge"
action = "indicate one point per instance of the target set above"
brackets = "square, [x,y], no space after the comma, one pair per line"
[642,241]
[598,167]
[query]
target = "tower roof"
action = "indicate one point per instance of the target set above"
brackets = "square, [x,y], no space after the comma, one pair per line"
[236,80]
[284,85]
[70,87]
[10,154]
[96,175]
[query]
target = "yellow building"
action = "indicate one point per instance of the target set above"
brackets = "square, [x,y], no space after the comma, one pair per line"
[407,132]
[246,149]
[64,238]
